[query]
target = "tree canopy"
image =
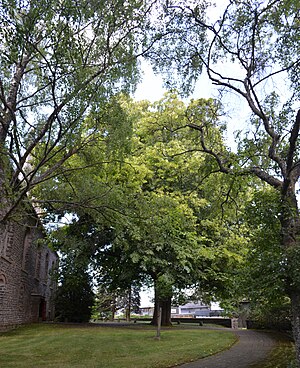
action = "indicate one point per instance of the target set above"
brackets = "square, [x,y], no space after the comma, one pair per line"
[146,170]
[171,217]
[59,62]
[251,51]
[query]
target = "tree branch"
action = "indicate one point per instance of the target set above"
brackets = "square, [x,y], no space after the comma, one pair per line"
[264,176]
[293,141]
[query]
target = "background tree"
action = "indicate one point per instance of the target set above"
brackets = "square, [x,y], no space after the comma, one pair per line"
[171,202]
[179,168]
[164,225]
[77,244]
[109,301]
[75,297]
[259,41]
[263,278]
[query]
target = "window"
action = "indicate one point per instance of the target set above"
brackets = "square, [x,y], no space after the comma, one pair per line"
[38,265]
[6,239]
[26,246]
[46,266]
[2,280]
[2,287]
[3,242]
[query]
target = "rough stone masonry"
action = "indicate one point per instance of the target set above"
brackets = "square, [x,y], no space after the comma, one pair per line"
[26,286]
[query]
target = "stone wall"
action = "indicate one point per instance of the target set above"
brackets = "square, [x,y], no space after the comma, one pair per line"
[26,265]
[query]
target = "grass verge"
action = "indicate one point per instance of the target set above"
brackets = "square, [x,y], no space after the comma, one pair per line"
[59,346]
[282,356]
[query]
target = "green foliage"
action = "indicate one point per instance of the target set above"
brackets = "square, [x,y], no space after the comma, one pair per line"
[77,245]
[104,305]
[109,300]
[258,43]
[170,214]
[261,278]
[174,54]
[272,316]
[266,262]
[75,297]
[60,62]
[253,51]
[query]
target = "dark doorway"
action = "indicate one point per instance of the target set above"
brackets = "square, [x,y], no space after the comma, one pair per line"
[42,310]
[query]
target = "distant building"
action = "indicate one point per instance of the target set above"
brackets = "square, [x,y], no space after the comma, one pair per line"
[190,310]
[26,286]
[146,311]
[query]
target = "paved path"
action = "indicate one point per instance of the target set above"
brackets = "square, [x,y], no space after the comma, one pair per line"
[253,347]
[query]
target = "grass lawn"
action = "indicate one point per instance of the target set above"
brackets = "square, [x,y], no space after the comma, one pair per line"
[63,346]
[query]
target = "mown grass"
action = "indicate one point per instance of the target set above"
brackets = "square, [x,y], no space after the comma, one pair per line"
[61,346]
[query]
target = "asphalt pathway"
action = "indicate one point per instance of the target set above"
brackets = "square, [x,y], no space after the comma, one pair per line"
[252,348]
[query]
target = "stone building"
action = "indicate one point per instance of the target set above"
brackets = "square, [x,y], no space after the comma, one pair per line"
[26,265]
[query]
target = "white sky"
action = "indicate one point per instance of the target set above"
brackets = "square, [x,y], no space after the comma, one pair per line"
[147,296]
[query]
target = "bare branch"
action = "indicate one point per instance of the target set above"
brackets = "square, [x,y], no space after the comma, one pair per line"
[264,176]
[293,140]
[282,70]
[11,101]
[209,151]
[223,163]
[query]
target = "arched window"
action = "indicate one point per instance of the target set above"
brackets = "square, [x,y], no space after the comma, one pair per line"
[2,287]
[46,266]
[38,265]
[6,239]
[2,280]
[26,246]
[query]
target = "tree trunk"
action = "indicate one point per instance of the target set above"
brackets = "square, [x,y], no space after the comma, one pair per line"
[113,310]
[4,196]
[128,307]
[165,306]
[290,227]
[295,301]
[163,301]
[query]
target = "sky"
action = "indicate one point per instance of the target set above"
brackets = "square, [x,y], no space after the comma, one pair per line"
[151,89]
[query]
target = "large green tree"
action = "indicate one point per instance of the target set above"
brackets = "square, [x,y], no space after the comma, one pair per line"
[59,61]
[263,277]
[159,198]
[252,50]
[177,168]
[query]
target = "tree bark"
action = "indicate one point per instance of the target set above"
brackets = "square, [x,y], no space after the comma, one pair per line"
[295,306]
[5,194]
[113,310]
[290,226]
[163,301]
[128,307]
